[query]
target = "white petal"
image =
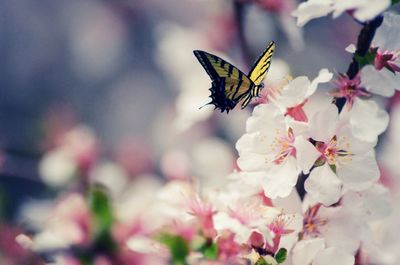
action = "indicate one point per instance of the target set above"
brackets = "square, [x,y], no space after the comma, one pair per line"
[338,228]
[387,37]
[253,162]
[347,140]
[306,154]
[381,82]
[370,9]
[368,120]
[315,103]
[323,124]
[294,93]
[279,182]
[324,76]
[255,142]
[333,256]
[351,48]
[291,204]
[222,221]
[372,204]
[295,224]
[265,118]
[312,9]
[57,168]
[278,71]
[361,172]
[341,6]
[323,185]
[305,251]
[142,244]
[363,9]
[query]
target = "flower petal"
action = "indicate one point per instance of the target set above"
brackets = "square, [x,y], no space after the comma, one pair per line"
[372,204]
[305,251]
[387,36]
[368,120]
[381,82]
[279,182]
[333,256]
[323,185]
[324,76]
[361,172]
[312,9]
[323,124]
[306,154]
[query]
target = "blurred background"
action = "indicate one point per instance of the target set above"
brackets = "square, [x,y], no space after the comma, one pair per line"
[125,69]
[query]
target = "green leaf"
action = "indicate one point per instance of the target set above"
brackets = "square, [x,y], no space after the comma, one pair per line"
[210,251]
[367,59]
[100,207]
[102,218]
[320,161]
[178,247]
[333,167]
[261,261]
[85,259]
[395,2]
[281,255]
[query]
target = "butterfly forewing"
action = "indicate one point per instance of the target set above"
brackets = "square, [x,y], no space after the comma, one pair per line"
[260,68]
[229,84]
[217,67]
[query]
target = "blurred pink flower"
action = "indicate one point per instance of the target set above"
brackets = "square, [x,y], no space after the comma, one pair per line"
[204,211]
[11,252]
[228,249]
[135,156]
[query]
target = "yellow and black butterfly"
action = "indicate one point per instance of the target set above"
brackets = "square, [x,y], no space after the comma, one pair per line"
[229,84]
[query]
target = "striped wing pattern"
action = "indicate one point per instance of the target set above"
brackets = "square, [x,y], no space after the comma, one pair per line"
[260,68]
[229,84]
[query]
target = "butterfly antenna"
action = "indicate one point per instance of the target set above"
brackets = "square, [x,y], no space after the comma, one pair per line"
[205,105]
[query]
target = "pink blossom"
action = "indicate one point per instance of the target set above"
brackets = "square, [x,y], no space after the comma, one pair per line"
[350,89]
[228,249]
[386,59]
[12,253]
[279,227]
[204,211]
[312,221]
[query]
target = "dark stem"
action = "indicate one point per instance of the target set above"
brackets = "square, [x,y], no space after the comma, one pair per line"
[300,185]
[364,40]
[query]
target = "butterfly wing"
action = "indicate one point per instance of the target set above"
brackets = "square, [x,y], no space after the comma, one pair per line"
[229,84]
[260,68]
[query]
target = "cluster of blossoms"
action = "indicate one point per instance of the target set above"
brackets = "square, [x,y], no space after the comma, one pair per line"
[308,189]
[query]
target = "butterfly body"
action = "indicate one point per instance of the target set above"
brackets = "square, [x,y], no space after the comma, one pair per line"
[230,85]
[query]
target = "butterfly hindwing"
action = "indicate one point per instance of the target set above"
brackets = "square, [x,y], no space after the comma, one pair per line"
[260,68]
[229,84]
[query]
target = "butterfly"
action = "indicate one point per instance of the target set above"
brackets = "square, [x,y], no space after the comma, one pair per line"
[230,85]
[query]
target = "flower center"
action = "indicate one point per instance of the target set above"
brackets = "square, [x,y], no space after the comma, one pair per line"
[280,224]
[386,59]
[335,153]
[312,223]
[283,147]
[348,88]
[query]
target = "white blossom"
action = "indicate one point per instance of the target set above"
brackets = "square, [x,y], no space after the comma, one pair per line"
[363,10]
[382,78]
